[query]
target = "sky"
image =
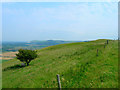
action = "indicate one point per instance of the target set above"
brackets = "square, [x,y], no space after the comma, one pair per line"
[76,21]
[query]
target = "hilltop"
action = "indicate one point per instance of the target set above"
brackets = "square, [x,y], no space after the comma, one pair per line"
[76,63]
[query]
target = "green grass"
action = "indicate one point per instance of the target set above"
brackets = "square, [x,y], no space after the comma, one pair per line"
[76,63]
[2,61]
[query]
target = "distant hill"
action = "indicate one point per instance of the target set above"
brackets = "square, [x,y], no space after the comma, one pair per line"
[77,64]
[35,44]
[50,42]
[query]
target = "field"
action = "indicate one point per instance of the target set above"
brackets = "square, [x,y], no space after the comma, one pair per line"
[1,61]
[77,64]
[7,56]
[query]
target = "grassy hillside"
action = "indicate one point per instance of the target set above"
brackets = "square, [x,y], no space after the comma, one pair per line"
[76,63]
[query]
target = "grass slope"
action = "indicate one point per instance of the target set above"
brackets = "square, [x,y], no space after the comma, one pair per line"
[76,63]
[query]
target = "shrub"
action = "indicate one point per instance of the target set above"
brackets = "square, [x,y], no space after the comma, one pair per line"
[26,55]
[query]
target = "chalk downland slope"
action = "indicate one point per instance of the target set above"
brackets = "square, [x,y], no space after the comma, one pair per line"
[76,63]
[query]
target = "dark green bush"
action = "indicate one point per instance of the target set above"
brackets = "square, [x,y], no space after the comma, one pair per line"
[26,55]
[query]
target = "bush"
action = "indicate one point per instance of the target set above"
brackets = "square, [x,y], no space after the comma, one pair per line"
[26,55]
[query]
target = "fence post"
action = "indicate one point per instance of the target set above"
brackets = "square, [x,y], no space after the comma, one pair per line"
[104,45]
[58,79]
[97,52]
[107,41]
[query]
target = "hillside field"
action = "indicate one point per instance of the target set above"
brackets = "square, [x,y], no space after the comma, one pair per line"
[76,63]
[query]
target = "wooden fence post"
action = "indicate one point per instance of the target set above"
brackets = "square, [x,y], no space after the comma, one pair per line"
[104,45]
[107,41]
[58,79]
[97,52]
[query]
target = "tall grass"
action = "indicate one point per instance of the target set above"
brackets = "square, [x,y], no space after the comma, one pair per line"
[76,63]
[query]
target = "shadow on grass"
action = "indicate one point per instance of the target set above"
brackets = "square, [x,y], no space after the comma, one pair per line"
[13,67]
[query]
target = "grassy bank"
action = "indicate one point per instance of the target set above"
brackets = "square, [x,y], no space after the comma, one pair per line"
[76,63]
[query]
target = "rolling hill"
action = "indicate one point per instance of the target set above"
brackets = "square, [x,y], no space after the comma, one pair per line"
[76,63]
[35,44]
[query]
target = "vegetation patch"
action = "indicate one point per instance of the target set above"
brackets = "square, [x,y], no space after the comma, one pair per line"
[76,63]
